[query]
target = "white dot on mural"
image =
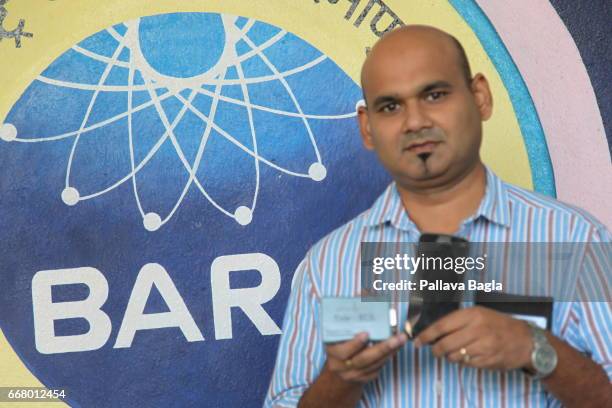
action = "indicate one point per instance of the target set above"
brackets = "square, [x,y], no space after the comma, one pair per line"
[8,132]
[152,221]
[317,171]
[360,104]
[243,215]
[70,196]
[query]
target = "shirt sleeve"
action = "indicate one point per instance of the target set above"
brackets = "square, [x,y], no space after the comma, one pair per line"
[301,354]
[588,331]
[589,323]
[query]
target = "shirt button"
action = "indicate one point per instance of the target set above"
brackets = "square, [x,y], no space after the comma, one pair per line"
[439,387]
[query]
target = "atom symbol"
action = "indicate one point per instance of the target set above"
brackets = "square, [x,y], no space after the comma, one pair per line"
[183,89]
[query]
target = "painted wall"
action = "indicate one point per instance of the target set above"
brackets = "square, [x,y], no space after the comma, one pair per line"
[166,165]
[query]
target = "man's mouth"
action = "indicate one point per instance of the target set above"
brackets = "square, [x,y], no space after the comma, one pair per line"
[422,147]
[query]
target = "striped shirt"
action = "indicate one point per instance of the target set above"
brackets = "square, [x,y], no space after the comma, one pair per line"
[414,377]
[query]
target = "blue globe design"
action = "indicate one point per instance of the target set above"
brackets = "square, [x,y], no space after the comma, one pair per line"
[174,139]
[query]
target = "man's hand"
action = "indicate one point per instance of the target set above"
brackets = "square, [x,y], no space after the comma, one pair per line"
[481,338]
[349,366]
[357,362]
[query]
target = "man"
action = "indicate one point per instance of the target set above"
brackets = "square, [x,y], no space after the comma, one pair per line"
[423,118]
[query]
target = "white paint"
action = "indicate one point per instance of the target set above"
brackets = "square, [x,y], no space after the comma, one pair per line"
[243,215]
[135,319]
[227,58]
[70,196]
[249,300]
[8,132]
[317,171]
[152,221]
[46,312]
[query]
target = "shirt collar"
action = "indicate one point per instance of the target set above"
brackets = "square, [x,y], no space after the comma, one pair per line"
[494,207]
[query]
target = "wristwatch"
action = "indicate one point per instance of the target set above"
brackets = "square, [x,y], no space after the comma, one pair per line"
[543,356]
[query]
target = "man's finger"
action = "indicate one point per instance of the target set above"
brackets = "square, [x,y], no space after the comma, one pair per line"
[453,342]
[374,368]
[448,324]
[482,362]
[379,352]
[349,348]
[465,354]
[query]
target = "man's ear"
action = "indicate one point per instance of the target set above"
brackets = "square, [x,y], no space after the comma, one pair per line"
[482,95]
[364,127]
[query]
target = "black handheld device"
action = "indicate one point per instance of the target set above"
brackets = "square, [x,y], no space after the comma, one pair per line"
[426,306]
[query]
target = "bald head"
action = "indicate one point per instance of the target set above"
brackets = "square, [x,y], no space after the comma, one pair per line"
[415,37]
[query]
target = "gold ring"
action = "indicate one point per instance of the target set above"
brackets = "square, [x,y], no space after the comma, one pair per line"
[466,356]
[348,363]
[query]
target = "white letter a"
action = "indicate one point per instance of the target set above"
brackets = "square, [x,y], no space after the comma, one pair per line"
[135,319]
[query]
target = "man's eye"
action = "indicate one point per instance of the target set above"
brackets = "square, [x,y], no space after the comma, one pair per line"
[390,107]
[434,96]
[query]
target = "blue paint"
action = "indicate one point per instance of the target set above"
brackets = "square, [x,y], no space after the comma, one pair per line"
[531,128]
[40,232]
[174,51]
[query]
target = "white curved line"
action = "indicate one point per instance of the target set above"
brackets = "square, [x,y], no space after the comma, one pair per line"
[180,154]
[130,138]
[91,87]
[97,57]
[277,111]
[263,46]
[291,95]
[143,163]
[247,26]
[247,101]
[118,37]
[96,125]
[198,158]
[231,139]
[92,102]
[268,78]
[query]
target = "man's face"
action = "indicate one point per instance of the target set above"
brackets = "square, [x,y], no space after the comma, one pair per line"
[423,119]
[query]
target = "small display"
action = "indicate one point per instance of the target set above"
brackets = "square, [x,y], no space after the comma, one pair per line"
[343,317]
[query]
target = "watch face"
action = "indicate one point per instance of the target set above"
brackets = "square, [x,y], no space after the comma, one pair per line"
[545,359]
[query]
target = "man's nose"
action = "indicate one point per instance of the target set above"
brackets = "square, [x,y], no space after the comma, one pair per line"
[416,117]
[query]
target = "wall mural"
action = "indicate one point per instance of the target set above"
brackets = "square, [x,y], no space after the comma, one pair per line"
[165,168]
